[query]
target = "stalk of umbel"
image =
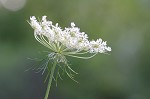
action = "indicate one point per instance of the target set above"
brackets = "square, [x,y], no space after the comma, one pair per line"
[50,79]
[62,43]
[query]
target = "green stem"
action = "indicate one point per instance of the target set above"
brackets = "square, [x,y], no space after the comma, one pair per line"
[50,80]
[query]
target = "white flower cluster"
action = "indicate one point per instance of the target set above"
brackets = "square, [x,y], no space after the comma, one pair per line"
[69,39]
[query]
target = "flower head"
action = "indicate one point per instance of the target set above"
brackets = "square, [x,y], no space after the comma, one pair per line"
[69,40]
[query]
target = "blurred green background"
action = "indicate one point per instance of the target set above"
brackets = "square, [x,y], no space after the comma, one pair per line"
[125,24]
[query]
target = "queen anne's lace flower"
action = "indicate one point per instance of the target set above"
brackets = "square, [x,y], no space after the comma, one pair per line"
[63,42]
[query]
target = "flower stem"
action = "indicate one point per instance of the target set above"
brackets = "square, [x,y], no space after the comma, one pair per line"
[50,80]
